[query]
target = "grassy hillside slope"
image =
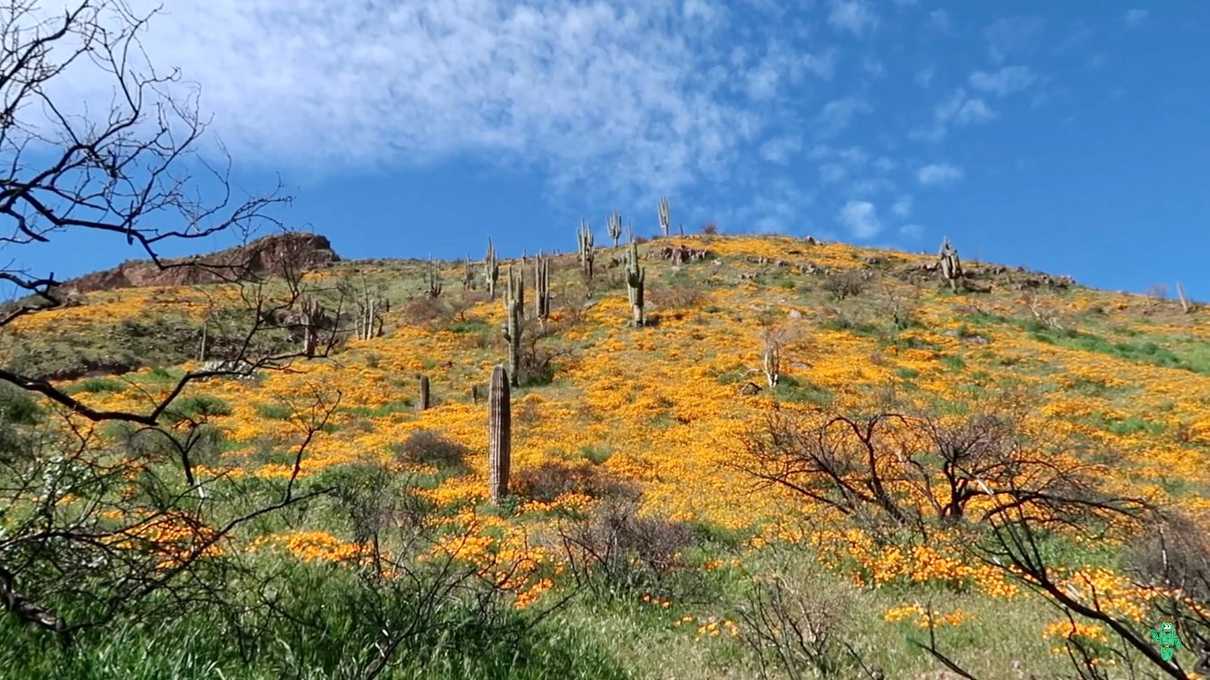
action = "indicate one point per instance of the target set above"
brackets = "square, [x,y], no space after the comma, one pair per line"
[661,417]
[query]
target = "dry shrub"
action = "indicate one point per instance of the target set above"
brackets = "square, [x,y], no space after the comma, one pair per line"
[552,479]
[680,296]
[430,448]
[799,619]
[616,550]
[845,283]
[425,310]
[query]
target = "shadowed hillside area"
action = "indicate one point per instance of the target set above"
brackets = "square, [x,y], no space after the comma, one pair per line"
[659,454]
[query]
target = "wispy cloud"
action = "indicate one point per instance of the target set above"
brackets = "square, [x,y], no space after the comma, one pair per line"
[938,173]
[854,16]
[634,94]
[838,113]
[860,218]
[939,20]
[1003,82]
[911,231]
[781,149]
[959,108]
[902,207]
[1135,17]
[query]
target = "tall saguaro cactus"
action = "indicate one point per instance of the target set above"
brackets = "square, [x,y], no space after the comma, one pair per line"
[499,435]
[433,281]
[950,265]
[491,270]
[468,276]
[635,277]
[312,311]
[423,403]
[771,359]
[514,301]
[542,288]
[615,227]
[665,217]
[201,350]
[584,239]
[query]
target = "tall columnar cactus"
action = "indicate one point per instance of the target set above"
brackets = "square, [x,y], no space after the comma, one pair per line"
[635,277]
[499,435]
[423,403]
[615,227]
[665,217]
[514,302]
[468,275]
[312,311]
[542,289]
[491,270]
[771,360]
[584,238]
[950,265]
[201,350]
[433,280]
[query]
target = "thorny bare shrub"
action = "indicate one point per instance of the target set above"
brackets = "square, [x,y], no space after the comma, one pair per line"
[617,550]
[552,479]
[799,620]
[430,448]
[845,283]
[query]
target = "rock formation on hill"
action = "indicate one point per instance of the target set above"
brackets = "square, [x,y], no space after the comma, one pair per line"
[265,256]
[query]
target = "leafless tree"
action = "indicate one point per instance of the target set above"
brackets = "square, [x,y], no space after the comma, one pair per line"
[93,527]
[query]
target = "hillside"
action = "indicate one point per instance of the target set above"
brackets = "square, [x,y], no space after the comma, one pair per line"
[670,417]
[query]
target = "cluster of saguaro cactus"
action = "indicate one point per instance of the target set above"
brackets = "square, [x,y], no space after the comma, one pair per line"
[312,314]
[615,227]
[468,274]
[514,306]
[499,433]
[491,270]
[665,217]
[950,265]
[635,278]
[369,316]
[433,279]
[584,240]
[542,288]
[423,403]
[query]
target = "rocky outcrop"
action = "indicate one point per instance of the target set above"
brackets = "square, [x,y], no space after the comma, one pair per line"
[271,255]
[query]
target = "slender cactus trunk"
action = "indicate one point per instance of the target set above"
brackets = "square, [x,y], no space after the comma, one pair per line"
[423,404]
[499,435]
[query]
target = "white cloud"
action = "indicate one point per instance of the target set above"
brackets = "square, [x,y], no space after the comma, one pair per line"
[830,173]
[780,149]
[1135,17]
[838,113]
[860,218]
[938,173]
[911,230]
[1003,82]
[854,16]
[630,95]
[781,67]
[902,207]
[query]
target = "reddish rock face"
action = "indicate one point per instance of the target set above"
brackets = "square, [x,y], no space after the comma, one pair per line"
[270,255]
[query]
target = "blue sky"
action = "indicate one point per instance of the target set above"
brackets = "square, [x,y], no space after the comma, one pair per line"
[1069,137]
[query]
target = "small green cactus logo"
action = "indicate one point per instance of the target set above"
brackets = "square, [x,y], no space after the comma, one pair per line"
[1164,636]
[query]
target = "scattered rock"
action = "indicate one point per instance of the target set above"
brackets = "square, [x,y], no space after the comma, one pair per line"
[795,314]
[749,389]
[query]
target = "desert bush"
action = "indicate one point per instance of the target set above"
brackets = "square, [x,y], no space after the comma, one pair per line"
[430,448]
[844,283]
[616,550]
[797,618]
[551,479]
[679,295]
[426,310]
